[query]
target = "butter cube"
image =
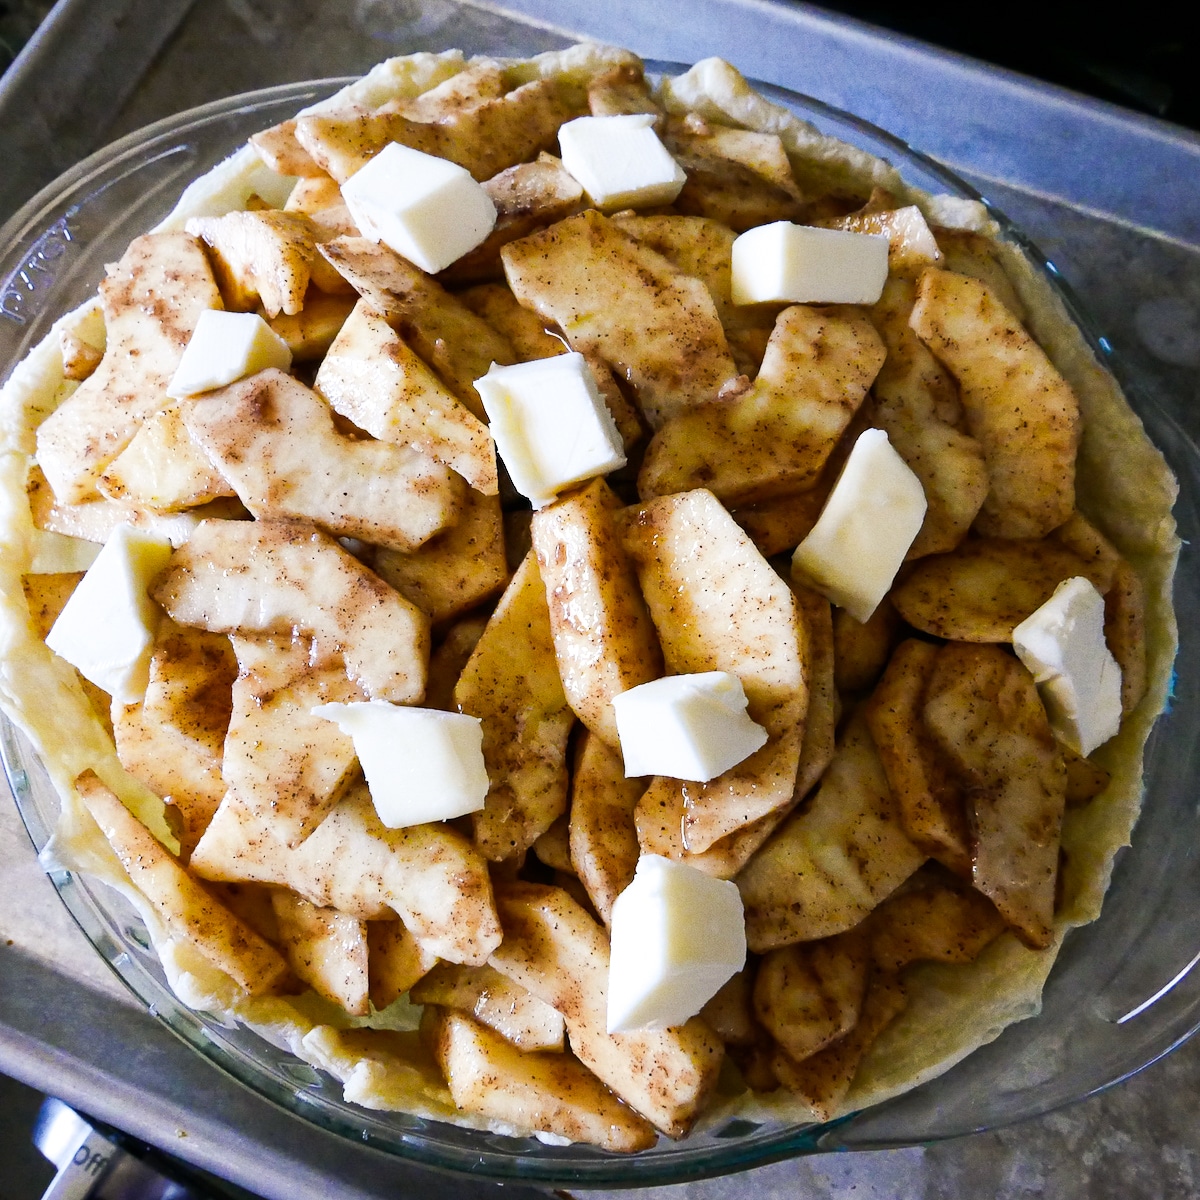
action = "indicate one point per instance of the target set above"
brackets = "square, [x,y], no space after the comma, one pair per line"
[806,265]
[1063,645]
[551,425]
[106,630]
[870,520]
[677,936]
[427,209]
[225,347]
[691,727]
[421,764]
[619,161]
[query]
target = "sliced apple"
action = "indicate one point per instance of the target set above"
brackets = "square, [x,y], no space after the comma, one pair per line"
[511,683]
[277,577]
[603,639]
[429,876]
[151,302]
[775,437]
[718,605]
[186,907]
[372,378]
[614,297]
[275,441]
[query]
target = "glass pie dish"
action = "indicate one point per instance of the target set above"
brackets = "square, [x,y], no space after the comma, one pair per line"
[1122,992]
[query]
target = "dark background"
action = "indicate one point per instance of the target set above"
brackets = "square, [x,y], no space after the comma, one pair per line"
[1142,56]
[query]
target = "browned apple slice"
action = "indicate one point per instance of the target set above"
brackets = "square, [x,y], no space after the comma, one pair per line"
[484,138]
[809,995]
[828,865]
[603,639]
[983,708]
[931,802]
[603,836]
[548,1092]
[1021,410]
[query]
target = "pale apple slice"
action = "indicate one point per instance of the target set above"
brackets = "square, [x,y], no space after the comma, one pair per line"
[95,520]
[449,337]
[511,683]
[603,639]
[484,138]
[527,196]
[496,1001]
[551,1093]
[611,296]
[266,257]
[457,569]
[603,835]
[718,605]
[151,302]
[372,378]
[775,437]
[395,962]
[174,768]
[310,332]
[429,876]
[829,864]
[326,949]
[559,953]
[275,441]
[702,247]
[286,765]
[163,469]
[185,906]
[277,577]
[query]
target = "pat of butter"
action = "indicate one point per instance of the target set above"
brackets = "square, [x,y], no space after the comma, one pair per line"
[225,347]
[551,425]
[806,265]
[619,161]
[106,630]
[1063,645]
[427,209]
[677,936]
[421,764]
[872,516]
[692,727]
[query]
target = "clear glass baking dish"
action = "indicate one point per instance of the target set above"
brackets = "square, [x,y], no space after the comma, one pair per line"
[1123,991]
